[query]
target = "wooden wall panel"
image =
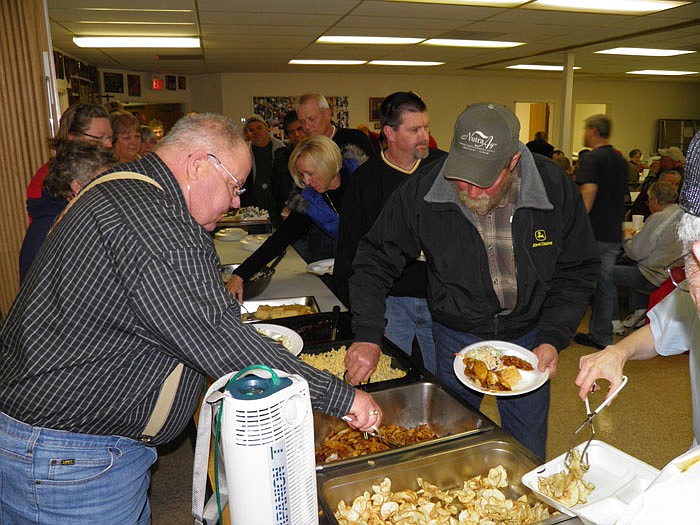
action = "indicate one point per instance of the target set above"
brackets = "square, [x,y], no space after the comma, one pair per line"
[24,127]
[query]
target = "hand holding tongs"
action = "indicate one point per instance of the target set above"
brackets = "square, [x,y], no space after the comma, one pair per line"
[589,422]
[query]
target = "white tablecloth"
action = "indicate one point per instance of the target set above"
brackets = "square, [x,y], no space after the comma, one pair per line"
[290,279]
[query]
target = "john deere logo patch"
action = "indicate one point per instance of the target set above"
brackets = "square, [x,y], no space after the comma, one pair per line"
[541,238]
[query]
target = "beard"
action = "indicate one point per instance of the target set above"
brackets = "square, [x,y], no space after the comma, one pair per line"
[483,203]
[419,154]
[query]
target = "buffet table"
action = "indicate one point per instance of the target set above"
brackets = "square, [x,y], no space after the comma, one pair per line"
[290,280]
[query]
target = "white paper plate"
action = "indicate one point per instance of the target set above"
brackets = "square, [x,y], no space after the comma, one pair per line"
[321,267]
[276,332]
[253,242]
[617,476]
[230,234]
[530,381]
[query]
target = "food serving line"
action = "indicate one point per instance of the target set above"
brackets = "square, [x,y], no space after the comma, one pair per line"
[468,443]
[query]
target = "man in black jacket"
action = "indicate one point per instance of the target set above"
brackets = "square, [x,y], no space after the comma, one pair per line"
[405,124]
[510,254]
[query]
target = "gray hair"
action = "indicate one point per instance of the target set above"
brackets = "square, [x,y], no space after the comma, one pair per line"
[320,100]
[663,191]
[76,160]
[208,130]
[688,230]
[601,123]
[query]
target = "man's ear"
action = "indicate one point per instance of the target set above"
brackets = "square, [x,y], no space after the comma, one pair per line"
[514,161]
[388,133]
[194,163]
[695,248]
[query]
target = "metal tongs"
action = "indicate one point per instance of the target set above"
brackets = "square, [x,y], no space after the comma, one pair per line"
[588,422]
[381,437]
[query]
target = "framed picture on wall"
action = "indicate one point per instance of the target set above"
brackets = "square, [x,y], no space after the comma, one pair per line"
[113,82]
[170,82]
[181,82]
[374,104]
[133,83]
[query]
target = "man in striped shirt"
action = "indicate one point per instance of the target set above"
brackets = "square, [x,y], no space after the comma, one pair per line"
[125,289]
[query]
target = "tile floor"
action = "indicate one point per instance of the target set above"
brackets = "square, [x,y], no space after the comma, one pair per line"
[651,420]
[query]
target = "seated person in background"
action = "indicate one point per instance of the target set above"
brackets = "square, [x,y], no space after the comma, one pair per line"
[76,164]
[126,131]
[148,141]
[670,159]
[652,249]
[317,168]
[540,144]
[640,206]
[558,154]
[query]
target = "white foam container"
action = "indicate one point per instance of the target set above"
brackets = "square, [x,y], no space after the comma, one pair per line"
[617,476]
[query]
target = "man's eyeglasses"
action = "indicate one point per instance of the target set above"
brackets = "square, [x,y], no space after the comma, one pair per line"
[106,138]
[238,190]
[676,272]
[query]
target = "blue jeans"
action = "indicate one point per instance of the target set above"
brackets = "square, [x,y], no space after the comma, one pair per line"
[409,317]
[631,278]
[524,416]
[55,477]
[605,296]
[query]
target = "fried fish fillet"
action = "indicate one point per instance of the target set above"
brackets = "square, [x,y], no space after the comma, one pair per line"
[511,360]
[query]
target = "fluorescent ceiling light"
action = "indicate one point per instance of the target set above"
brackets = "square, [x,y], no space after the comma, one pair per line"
[661,72]
[368,40]
[136,41]
[450,42]
[141,23]
[538,67]
[644,52]
[327,62]
[484,3]
[605,6]
[136,10]
[403,63]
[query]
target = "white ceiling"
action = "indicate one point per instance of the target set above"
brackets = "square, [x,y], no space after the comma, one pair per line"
[263,35]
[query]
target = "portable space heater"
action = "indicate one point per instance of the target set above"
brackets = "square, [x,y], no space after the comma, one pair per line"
[265,428]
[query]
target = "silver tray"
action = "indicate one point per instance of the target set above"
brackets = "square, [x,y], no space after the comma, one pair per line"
[409,406]
[446,465]
[248,308]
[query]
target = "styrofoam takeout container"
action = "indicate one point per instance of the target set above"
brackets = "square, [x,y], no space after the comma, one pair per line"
[617,476]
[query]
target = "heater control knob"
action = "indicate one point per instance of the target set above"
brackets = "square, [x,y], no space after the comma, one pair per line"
[295,410]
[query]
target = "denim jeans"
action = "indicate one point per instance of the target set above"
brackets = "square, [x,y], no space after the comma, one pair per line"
[605,296]
[54,477]
[523,416]
[408,317]
[631,278]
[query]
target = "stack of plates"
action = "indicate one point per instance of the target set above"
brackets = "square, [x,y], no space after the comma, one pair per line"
[253,242]
[230,234]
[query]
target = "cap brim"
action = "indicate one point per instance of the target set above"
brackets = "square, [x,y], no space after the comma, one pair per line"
[481,173]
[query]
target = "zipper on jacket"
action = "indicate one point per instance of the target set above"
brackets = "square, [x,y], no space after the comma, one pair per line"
[495,324]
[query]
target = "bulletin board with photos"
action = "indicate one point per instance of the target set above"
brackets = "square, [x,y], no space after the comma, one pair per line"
[273,110]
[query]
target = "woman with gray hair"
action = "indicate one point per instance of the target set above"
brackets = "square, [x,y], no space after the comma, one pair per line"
[75,165]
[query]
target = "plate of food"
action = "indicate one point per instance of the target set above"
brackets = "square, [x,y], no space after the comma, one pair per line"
[499,368]
[321,267]
[247,213]
[230,234]
[291,340]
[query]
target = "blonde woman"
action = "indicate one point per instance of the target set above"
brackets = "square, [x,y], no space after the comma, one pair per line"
[322,174]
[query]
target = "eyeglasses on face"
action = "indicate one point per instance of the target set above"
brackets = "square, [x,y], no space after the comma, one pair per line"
[676,272]
[238,190]
[106,138]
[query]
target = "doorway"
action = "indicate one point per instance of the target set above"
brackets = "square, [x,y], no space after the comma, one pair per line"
[533,117]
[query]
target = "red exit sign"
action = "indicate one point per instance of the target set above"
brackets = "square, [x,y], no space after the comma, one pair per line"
[158,84]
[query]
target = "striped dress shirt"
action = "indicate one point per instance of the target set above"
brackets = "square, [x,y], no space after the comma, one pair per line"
[126,287]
